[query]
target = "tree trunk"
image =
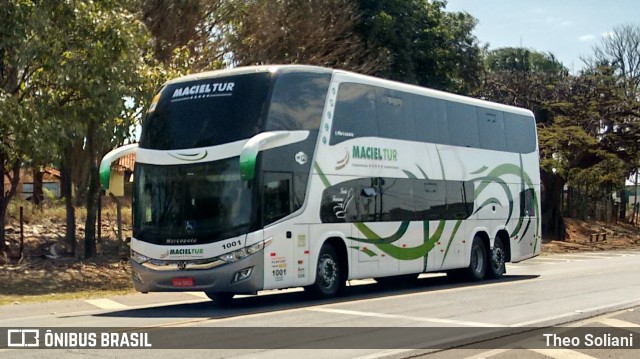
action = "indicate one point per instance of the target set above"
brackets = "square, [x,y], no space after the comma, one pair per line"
[552,222]
[2,201]
[67,192]
[92,194]
[6,194]
[38,193]
[80,170]
[92,212]
[623,204]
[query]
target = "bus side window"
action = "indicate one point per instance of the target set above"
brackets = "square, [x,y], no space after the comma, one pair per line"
[429,198]
[395,114]
[459,199]
[527,203]
[355,113]
[491,129]
[463,125]
[520,133]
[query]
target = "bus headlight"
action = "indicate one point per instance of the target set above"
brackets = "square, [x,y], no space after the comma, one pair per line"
[244,252]
[138,258]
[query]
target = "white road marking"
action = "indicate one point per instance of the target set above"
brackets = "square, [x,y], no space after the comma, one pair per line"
[577,311]
[384,353]
[563,354]
[557,259]
[613,322]
[586,255]
[106,304]
[395,316]
[198,294]
[488,354]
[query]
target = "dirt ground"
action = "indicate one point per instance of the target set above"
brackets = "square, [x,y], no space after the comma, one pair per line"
[583,236]
[46,273]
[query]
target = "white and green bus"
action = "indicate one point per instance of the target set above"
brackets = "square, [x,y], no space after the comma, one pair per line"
[270,177]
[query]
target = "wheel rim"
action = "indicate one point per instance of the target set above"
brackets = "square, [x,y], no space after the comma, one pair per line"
[327,271]
[477,260]
[497,258]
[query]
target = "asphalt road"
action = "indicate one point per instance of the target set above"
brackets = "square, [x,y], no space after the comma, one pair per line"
[569,295]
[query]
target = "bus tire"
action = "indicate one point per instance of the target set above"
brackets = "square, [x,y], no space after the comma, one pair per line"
[478,263]
[329,274]
[220,299]
[497,255]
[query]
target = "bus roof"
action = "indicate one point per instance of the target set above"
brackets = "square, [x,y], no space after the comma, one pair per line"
[249,70]
[352,76]
[346,76]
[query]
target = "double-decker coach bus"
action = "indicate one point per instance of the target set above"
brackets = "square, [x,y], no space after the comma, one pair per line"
[270,177]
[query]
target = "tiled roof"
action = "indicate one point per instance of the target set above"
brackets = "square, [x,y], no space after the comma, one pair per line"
[126,163]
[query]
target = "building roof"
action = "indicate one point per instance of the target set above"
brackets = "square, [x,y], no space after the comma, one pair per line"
[125,163]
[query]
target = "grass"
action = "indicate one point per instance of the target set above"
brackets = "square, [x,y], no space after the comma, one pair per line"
[42,280]
[50,297]
[55,211]
[35,278]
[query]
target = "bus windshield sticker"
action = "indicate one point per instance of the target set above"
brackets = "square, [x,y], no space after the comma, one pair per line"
[203,91]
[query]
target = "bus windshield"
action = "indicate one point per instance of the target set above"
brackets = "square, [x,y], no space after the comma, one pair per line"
[191,204]
[206,112]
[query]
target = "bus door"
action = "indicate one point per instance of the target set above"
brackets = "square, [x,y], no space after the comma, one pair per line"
[287,259]
[527,234]
[370,227]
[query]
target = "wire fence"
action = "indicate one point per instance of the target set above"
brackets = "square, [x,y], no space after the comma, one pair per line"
[601,204]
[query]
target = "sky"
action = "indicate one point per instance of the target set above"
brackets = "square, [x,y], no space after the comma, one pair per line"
[567,28]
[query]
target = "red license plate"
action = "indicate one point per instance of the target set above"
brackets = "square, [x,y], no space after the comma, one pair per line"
[182,282]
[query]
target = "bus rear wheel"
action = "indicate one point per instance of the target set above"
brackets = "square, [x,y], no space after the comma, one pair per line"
[329,274]
[496,267]
[478,264]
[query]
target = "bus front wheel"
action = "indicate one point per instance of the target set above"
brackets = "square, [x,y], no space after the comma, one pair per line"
[329,277]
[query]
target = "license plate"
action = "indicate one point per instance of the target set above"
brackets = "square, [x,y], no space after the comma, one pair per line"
[182,282]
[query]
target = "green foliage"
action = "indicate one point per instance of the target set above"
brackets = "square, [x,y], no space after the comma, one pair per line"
[318,33]
[76,71]
[427,45]
[518,59]
[587,125]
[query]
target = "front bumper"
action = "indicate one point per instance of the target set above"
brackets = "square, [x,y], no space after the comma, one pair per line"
[214,280]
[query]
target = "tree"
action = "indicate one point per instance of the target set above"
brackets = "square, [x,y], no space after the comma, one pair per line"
[427,45]
[619,53]
[318,33]
[188,35]
[537,81]
[68,68]
[17,110]
[584,138]
[106,70]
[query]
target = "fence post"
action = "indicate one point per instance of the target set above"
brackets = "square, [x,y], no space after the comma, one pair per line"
[21,232]
[119,222]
